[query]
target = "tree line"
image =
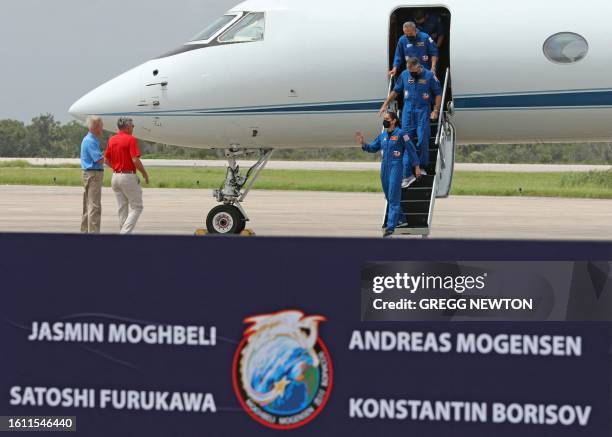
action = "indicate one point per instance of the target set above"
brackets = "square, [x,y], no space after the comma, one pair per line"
[47,138]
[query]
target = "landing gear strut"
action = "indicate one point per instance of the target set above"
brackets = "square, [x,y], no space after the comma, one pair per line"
[230,217]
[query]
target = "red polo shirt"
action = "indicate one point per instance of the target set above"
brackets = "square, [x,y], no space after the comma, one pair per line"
[120,151]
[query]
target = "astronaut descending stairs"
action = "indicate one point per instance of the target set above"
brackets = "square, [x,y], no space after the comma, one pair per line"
[418,200]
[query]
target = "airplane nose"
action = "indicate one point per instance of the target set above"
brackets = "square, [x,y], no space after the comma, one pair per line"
[78,109]
[119,95]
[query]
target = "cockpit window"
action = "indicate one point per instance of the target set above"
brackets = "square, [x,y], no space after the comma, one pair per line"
[250,28]
[213,28]
[234,27]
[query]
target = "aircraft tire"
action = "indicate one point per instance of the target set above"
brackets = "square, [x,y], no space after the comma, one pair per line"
[225,220]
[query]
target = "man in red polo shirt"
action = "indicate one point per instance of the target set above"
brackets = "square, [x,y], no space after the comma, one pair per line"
[123,156]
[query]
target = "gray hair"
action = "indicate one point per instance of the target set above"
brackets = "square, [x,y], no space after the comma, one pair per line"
[413,62]
[124,123]
[93,121]
[410,24]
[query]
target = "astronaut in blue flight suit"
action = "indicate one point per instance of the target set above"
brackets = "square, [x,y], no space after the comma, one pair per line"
[431,24]
[418,86]
[394,144]
[414,44]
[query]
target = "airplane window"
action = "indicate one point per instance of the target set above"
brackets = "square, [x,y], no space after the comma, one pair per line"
[250,28]
[213,28]
[566,48]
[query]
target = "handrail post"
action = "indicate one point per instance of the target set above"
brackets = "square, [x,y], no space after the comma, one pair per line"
[442,106]
[391,80]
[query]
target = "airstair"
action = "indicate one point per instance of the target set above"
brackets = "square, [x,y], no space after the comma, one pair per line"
[418,200]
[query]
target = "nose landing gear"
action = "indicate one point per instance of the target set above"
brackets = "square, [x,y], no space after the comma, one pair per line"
[230,218]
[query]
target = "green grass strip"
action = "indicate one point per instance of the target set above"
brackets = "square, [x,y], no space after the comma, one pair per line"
[574,185]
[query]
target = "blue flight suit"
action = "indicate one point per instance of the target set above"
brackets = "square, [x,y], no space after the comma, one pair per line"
[432,27]
[419,94]
[421,47]
[394,146]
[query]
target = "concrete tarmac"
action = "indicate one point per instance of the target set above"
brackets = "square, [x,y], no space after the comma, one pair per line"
[313,214]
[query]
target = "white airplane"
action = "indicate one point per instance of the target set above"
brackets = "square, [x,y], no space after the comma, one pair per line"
[272,74]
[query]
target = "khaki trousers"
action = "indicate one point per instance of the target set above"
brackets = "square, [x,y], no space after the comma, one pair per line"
[128,192]
[92,201]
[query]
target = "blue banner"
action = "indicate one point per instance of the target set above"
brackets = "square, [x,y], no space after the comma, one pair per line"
[164,336]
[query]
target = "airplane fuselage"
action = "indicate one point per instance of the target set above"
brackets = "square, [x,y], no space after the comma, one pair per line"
[319,74]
